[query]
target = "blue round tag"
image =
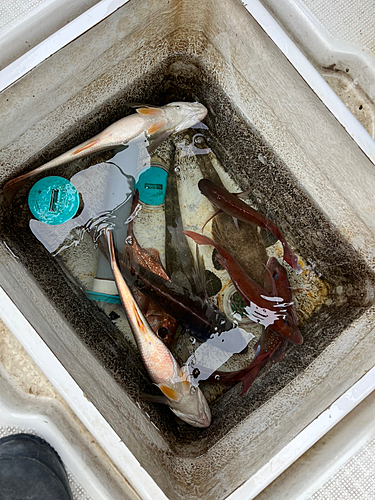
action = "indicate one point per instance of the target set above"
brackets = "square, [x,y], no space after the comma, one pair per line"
[53,200]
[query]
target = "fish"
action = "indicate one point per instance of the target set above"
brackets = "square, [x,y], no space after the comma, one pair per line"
[148,258]
[268,344]
[156,123]
[178,257]
[244,243]
[162,323]
[276,281]
[251,292]
[184,399]
[194,314]
[230,204]
[271,346]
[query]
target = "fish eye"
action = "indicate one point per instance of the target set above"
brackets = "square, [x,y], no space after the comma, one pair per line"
[177,107]
[163,332]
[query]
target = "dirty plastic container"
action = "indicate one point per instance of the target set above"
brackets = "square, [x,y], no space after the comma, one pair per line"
[273,134]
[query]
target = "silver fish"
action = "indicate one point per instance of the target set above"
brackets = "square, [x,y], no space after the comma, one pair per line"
[152,122]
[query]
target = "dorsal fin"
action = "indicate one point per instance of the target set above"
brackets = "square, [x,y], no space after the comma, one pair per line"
[150,111]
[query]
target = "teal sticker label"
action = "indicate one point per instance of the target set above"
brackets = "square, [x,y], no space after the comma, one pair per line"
[53,200]
[152,184]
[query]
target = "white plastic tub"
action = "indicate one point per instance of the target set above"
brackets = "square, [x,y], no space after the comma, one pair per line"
[324,162]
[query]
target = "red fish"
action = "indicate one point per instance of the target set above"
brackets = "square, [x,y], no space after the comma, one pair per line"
[268,344]
[148,258]
[276,282]
[161,322]
[249,290]
[230,204]
[271,346]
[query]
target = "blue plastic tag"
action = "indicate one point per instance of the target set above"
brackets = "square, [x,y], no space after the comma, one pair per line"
[53,200]
[152,184]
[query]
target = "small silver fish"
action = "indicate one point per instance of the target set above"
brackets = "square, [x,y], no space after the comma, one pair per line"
[153,122]
[184,399]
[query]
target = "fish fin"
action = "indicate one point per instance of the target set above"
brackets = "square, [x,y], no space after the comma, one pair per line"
[157,142]
[243,195]
[256,349]
[294,336]
[269,282]
[150,111]
[279,353]
[248,378]
[186,385]
[154,399]
[139,105]
[12,187]
[291,258]
[200,239]
[221,260]
[293,314]
[236,223]
[268,238]
[157,127]
[155,255]
[208,220]
[199,275]
[225,378]
[169,392]
[152,262]
[87,146]
[184,373]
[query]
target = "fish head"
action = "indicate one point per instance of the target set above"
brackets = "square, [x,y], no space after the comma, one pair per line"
[163,325]
[276,280]
[193,408]
[187,401]
[209,189]
[183,115]
[291,259]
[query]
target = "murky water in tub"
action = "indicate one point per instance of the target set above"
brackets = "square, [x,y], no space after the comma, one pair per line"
[106,192]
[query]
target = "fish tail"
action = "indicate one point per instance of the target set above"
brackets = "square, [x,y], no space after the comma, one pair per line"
[249,377]
[199,238]
[12,187]
[245,376]
[288,331]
